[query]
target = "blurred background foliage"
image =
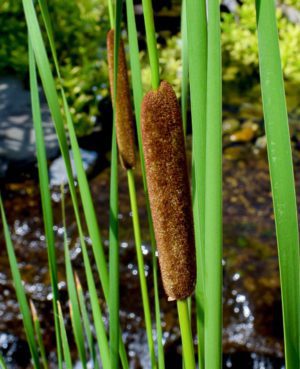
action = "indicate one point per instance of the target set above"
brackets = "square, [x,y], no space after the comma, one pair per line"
[240,48]
[80,35]
[80,29]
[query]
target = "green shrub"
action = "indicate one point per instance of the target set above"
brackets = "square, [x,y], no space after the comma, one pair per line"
[240,52]
[13,39]
[80,36]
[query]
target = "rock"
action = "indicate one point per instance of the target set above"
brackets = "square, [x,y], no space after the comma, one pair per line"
[15,351]
[17,139]
[292,14]
[261,143]
[251,111]
[230,125]
[236,152]
[246,133]
[58,175]
[230,5]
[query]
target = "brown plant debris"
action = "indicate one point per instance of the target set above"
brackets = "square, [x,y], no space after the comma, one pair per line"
[124,116]
[169,190]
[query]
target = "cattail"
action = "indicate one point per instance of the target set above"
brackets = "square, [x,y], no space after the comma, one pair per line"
[124,116]
[169,190]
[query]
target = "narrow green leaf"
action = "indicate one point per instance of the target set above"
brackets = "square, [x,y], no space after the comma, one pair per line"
[213,193]
[38,334]
[185,67]
[87,202]
[97,314]
[86,322]
[45,192]
[111,13]
[47,79]
[64,339]
[282,177]
[114,297]
[49,30]
[74,306]
[197,58]
[89,211]
[20,292]
[53,102]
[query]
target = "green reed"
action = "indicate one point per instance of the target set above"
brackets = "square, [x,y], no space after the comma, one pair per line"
[114,298]
[45,192]
[86,323]
[64,339]
[38,335]
[197,56]
[201,73]
[73,300]
[282,177]
[213,194]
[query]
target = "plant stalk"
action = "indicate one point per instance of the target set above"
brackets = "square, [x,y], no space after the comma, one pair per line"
[151,42]
[197,58]
[213,193]
[186,334]
[137,96]
[141,266]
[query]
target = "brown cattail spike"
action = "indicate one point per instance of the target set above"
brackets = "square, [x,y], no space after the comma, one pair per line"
[124,116]
[169,190]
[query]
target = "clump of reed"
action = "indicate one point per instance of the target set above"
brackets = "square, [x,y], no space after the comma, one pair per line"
[178,230]
[169,190]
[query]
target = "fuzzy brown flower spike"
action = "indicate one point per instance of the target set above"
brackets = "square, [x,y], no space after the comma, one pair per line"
[169,190]
[124,116]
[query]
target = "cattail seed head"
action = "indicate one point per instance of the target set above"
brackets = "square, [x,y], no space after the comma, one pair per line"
[169,190]
[124,116]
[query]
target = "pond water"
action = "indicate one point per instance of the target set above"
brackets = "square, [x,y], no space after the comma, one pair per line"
[252,334]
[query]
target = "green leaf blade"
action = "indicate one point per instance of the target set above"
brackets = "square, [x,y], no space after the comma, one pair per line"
[282,177]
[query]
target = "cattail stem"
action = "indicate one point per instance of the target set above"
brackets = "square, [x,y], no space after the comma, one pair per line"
[136,78]
[141,266]
[186,334]
[114,272]
[185,67]
[119,85]
[197,55]
[111,13]
[151,42]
